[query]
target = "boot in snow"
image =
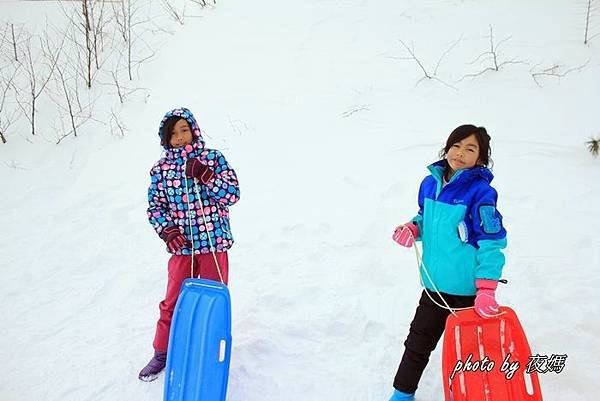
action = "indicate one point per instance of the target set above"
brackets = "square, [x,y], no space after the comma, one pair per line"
[401,396]
[154,367]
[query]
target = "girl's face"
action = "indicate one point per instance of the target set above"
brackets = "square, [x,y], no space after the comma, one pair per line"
[181,135]
[463,154]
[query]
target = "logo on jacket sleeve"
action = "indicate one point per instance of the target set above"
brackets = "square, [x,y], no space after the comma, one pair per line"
[489,219]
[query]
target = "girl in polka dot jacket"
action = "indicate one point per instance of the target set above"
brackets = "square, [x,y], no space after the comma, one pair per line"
[174,212]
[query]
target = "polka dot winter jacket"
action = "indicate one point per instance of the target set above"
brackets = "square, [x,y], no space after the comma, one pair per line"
[172,199]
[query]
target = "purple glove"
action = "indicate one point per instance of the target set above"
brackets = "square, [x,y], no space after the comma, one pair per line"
[195,169]
[174,239]
[485,300]
[405,234]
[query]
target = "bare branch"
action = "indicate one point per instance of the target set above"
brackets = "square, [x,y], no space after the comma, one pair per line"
[445,53]
[202,3]
[426,74]
[37,82]
[413,57]
[492,57]
[173,12]
[355,109]
[555,71]
[6,118]
[117,127]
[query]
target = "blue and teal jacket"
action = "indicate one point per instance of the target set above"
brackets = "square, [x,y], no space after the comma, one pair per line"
[460,228]
[172,199]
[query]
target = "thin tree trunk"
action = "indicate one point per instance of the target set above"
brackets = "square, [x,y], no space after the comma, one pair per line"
[587,22]
[33,98]
[69,101]
[12,29]
[129,45]
[88,43]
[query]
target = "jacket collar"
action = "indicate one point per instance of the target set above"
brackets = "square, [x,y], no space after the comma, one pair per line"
[437,170]
[184,152]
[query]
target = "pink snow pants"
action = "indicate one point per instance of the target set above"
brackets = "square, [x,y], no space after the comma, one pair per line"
[179,269]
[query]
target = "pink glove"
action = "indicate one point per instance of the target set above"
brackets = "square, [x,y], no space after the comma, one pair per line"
[485,300]
[405,234]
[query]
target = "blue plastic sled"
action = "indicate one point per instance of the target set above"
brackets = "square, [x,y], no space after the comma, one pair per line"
[199,343]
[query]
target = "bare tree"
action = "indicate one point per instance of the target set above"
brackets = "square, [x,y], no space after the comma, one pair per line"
[117,128]
[492,57]
[426,73]
[128,22]
[10,40]
[7,118]
[101,21]
[123,91]
[555,71]
[67,95]
[3,39]
[37,79]
[88,26]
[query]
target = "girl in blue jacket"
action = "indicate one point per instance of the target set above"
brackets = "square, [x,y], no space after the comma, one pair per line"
[193,225]
[462,235]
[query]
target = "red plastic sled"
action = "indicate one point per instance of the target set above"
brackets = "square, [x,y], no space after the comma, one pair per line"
[494,338]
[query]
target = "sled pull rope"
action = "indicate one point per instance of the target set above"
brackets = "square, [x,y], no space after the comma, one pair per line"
[419,264]
[212,249]
[445,306]
[189,219]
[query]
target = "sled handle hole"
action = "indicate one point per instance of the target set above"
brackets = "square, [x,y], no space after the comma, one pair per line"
[222,350]
[528,383]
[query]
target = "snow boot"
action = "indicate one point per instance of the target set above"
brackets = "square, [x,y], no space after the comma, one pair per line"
[154,367]
[401,396]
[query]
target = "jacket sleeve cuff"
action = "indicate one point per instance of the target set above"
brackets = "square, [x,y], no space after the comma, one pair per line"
[484,284]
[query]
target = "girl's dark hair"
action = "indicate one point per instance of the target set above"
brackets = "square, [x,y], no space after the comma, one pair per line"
[482,137]
[167,130]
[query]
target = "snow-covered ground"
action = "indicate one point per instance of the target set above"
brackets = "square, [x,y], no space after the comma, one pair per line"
[330,134]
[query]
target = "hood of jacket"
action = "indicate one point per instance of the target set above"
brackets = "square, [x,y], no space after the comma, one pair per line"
[198,141]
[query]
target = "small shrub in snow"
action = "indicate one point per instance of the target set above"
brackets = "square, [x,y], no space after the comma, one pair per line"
[492,57]
[594,146]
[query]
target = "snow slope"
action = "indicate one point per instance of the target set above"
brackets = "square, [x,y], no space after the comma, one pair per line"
[330,134]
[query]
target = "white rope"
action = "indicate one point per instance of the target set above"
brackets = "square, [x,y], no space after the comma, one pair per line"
[212,248]
[445,306]
[419,264]
[189,218]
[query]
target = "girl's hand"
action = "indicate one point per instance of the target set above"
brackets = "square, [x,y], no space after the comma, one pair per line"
[174,239]
[195,169]
[405,234]
[485,301]
[177,243]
